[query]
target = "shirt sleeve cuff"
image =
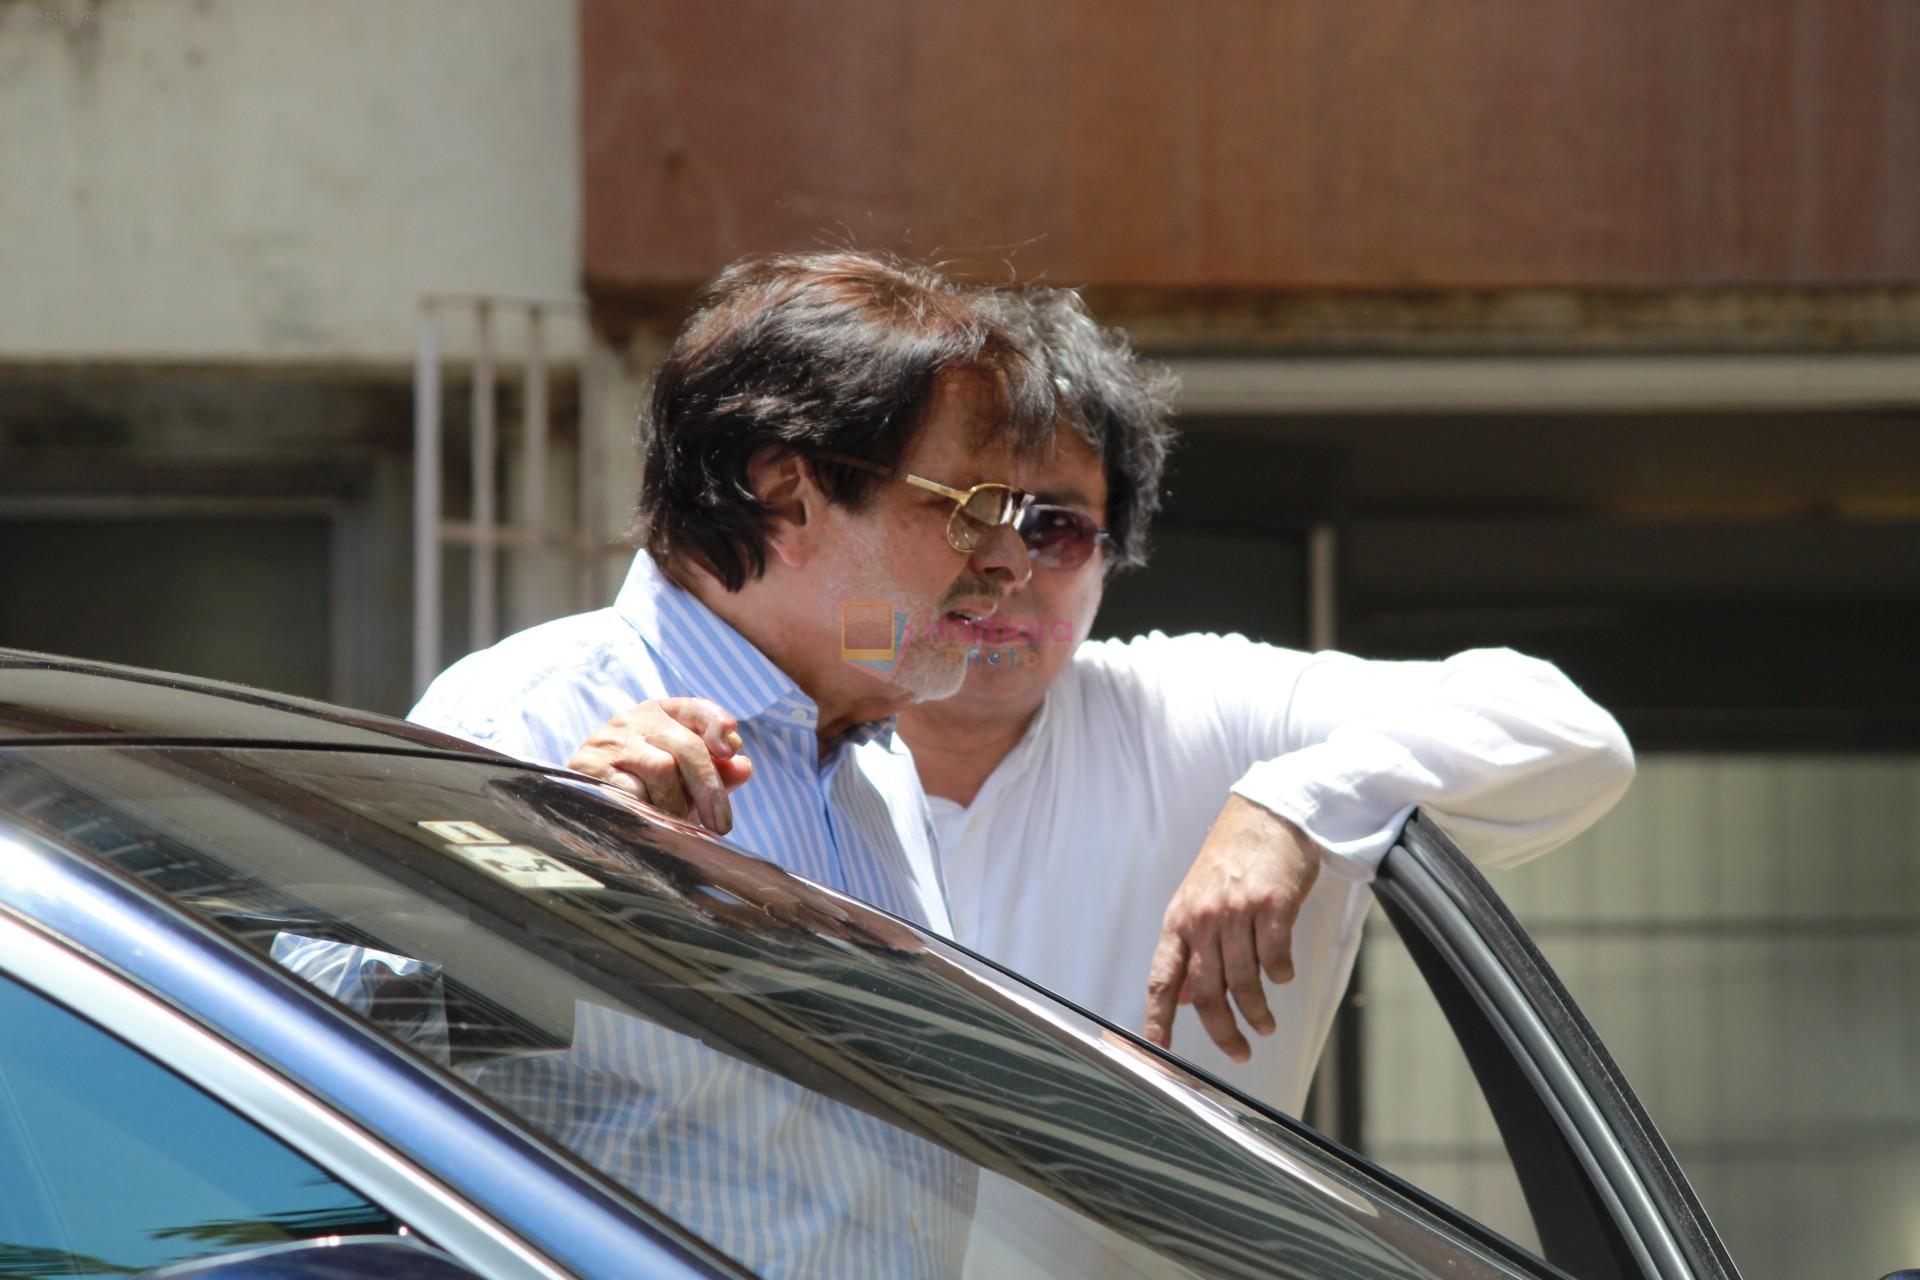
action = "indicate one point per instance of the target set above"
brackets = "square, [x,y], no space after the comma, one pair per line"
[1351,828]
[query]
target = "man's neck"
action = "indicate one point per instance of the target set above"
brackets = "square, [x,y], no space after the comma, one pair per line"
[841,700]
[957,743]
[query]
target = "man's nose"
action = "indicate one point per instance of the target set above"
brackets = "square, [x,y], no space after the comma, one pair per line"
[1002,558]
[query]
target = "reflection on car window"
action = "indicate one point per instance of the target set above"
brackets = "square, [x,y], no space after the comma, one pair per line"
[110,1164]
[811,1086]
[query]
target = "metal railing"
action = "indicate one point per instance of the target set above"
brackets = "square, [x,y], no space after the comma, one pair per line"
[530,532]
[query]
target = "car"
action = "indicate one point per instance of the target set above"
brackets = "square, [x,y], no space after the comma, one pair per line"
[290,990]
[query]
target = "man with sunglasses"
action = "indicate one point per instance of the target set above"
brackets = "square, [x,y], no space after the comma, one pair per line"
[1140,824]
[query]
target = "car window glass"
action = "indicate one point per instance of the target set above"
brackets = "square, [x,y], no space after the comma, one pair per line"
[110,1164]
[812,1087]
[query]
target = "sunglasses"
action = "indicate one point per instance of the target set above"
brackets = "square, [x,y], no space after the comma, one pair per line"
[977,512]
[1059,537]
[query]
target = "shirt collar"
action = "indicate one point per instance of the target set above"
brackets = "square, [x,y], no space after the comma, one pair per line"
[707,658]
[881,731]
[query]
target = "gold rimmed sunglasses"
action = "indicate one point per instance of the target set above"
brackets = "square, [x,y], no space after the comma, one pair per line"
[977,512]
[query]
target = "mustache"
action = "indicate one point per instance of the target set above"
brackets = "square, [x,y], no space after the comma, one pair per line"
[973,589]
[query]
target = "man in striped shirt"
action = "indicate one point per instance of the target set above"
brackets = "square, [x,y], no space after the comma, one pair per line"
[827,429]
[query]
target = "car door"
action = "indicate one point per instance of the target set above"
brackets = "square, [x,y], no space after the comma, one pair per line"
[1606,1199]
[547,930]
[254,1076]
[113,1162]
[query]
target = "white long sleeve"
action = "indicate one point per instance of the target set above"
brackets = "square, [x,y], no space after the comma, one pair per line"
[1502,750]
[1064,863]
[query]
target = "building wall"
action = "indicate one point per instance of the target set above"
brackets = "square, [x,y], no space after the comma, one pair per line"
[268,180]
[1742,933]
[217,218]
[1262,144]
[191,185]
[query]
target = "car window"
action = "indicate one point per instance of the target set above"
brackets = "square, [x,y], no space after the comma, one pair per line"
[813,1087]
[110,1164]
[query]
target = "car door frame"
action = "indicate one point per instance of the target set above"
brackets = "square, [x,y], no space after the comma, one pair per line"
[81,988]
[1607,1195]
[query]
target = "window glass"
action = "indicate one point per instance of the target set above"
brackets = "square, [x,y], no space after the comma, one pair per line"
[138,589]
[110,1164]
[811,1086]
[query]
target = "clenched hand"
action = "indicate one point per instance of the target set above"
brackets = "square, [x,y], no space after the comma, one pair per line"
[681,755]
[1231,921]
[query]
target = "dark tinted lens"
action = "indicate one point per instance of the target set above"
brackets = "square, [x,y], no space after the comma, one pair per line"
[1058,537]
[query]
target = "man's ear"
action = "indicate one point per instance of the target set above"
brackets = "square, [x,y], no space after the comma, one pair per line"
[784,480]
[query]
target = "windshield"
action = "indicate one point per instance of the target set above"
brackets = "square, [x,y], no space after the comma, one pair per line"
[812,1086]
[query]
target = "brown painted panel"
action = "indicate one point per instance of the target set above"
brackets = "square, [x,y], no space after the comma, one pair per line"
[1261,144]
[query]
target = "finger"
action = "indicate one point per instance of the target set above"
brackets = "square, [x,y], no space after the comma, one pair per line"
[598,756]
[1273,943]
[1243,976]
[596,761]
[700,779]
[1205,971]
[657,774]
[708,719]
[1166,981]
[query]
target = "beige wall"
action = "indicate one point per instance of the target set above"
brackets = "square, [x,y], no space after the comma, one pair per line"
[1742,932]
[275,180]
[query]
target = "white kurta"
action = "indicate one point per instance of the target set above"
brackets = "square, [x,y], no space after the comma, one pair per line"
[1062,866]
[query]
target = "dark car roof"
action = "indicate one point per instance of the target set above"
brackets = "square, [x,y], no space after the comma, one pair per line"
[44,697]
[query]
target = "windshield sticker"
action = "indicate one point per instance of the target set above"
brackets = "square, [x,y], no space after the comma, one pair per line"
[523,867]
[463,832]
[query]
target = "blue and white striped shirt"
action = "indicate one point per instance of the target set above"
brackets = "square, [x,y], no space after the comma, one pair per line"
[786,1181]
[855,819]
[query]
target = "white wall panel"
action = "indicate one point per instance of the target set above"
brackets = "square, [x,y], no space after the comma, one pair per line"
[272,179]
[1744,931]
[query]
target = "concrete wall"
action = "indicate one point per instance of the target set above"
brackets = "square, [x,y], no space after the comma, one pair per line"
[1742,933]
[272,180]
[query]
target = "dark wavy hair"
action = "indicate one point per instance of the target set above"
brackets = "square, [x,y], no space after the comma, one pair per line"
[812,352]
[1120,404]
